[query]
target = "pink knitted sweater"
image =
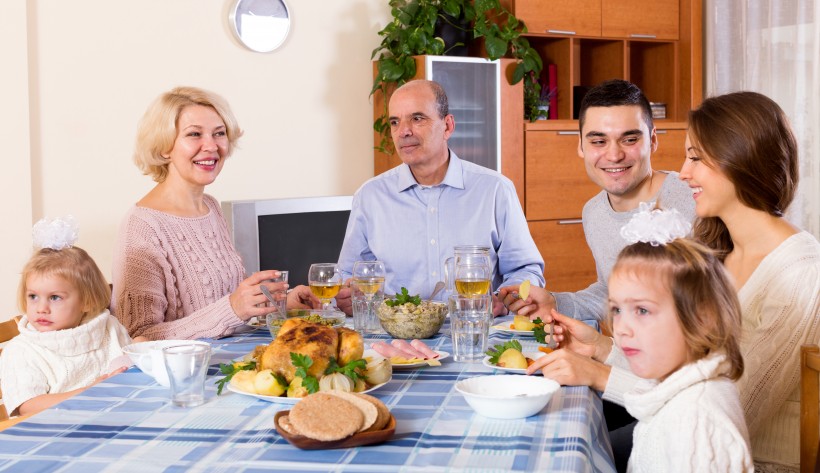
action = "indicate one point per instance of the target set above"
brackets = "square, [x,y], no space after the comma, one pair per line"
[172,276]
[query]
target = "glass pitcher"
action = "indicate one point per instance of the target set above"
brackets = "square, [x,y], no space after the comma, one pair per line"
[469,272]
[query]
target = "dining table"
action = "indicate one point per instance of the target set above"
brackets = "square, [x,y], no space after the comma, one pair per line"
[127,423]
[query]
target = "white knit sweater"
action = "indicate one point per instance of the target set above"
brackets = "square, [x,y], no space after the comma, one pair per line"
[781,312]
[689,422]
[780,303]
[35,363]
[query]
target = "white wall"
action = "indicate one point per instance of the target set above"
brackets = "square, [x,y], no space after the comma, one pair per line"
[85,70]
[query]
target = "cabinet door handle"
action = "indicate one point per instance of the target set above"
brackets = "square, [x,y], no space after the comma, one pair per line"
[561,32]
[660,132]
[649,36]
[569,132]
[574,221]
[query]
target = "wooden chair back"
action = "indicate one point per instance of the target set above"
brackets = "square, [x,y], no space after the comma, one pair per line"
[8,330]
[809,407]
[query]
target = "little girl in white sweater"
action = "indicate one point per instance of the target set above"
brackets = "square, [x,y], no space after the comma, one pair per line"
[68,339]
[676,323]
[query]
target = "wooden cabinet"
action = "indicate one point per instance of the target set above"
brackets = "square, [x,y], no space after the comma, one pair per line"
[556,181]
[657,19]
[670,154]
[569,263]
[560,16]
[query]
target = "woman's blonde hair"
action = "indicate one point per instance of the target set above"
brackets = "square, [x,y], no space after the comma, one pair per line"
[74,266]
[705,300]
[158,128]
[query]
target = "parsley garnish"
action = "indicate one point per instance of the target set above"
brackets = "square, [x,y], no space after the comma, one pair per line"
[403,298]
[496,351]
[302,364]
[230,369]
[539,332]
[349,370]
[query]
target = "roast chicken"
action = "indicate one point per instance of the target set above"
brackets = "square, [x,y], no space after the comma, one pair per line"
[319,342]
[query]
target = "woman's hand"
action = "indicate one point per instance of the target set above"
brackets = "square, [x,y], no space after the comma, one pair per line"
[302,298]
[578,337]
[539,303]
[571,369]
[248,301]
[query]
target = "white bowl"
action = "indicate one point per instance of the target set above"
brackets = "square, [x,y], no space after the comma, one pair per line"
[507,396]
[148,356]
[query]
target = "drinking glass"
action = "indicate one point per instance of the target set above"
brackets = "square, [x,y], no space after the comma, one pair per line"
[325,281]
[470,326]
[368,293]
[187,367]
[280,307]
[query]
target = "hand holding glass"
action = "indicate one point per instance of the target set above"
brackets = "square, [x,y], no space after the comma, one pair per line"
[325,282]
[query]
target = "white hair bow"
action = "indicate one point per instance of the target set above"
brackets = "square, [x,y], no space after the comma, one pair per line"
[56,234]
[655,226]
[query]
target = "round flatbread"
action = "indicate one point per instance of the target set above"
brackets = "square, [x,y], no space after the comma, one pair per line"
[285,424]
[369,410]
[322,416]
[383,412]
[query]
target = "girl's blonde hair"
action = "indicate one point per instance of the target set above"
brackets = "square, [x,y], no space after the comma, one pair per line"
[74,266]
[158,128]
[705,300]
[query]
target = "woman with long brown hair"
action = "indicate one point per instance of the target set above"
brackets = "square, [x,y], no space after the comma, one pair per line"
[742,165]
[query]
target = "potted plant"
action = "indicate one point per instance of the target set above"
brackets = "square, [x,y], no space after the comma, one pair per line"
[543,106]
[413,32]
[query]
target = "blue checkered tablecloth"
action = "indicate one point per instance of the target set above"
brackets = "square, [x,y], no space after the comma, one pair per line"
[127,424]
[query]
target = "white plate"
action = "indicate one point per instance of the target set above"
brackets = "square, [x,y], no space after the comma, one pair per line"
[527,354]
[370,353]
[285,399]
[506,329]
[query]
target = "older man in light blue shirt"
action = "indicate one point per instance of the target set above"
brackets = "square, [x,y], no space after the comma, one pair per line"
[412,216]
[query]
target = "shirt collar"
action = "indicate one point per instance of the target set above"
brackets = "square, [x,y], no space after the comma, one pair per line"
[453,178]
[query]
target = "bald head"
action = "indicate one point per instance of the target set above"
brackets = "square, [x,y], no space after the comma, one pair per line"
[436,91]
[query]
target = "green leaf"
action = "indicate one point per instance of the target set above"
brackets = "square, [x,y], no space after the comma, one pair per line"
[349,370]
[496,47]
[230,369]
[495,352]
[302,364]
[539,332]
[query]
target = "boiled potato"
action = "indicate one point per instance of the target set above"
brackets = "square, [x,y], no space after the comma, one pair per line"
[244,381]
[512,358]
[522,322]
[296,389]
[266,384]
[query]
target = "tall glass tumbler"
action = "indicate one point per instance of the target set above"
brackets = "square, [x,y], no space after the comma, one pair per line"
[470,326]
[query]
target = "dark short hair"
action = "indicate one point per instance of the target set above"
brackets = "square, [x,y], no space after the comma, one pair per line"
[615,93]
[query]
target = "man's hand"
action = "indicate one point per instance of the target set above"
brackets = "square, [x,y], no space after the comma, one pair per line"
[300,297]
[344,299]
[539,303]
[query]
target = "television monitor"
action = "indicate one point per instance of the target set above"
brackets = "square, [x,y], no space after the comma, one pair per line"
[288,234]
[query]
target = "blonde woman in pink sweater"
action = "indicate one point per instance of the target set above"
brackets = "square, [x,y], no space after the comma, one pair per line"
[176,272]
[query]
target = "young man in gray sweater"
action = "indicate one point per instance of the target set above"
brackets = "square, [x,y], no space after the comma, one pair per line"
[616,142]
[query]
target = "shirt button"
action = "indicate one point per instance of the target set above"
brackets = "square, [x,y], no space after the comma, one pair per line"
[433,241]
[434,273]
[432,210]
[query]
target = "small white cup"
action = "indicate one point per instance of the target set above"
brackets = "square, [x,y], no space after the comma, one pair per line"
[148,357]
